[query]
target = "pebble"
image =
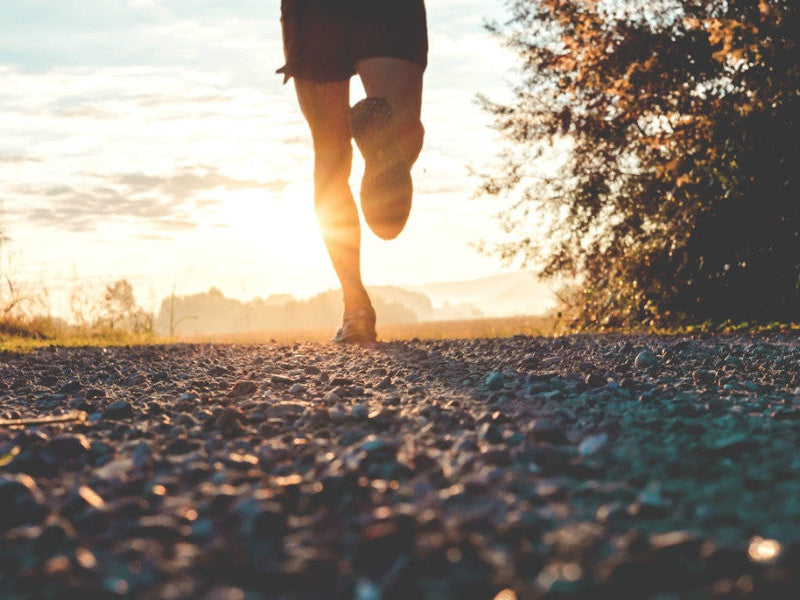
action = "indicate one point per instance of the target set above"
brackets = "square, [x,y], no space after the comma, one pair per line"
[494,381]
[21,501]
[645,358]
[70,388]
[243,389]
[229,422]
[592,444]
[66,446]
[359,412]
[337,413]
[546,430]
[118,410]
[703,377]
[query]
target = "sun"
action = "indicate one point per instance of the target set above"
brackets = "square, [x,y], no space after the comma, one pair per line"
[282,225]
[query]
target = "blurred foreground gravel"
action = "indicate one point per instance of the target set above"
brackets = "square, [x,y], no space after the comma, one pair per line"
[577,467]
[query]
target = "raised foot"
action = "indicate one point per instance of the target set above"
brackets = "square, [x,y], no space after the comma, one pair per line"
[386,188]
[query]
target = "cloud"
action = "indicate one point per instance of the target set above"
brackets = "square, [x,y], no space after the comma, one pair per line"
[189,181]
[19,159]
[165,202]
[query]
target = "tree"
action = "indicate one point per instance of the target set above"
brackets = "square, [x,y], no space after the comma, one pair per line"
[678,195]
[119,310]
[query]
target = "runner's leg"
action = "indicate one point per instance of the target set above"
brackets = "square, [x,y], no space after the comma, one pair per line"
[400,83]
[326,108]
[391,146]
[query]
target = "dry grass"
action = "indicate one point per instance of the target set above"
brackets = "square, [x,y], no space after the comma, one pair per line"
[472,328]
[18,336]
[25,335]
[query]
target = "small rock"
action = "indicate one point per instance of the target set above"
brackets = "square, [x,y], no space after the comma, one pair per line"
[491,433]
[734,444]
[574,540]
[649,504]
[378,449]
[494,381]
[162,527]
[66,446]
[118,410]
[332,398]
[281,380]
[681,542]
[82,499]
[545,430]
[71,387]
[229,422]
[337,413]
[180,445]
[594,380]
[132,380]
[703,377]
[610,512]
[242,389]
[592,444]
[359,412]
[115,470]
[351,436]
[644,359]
[21,501]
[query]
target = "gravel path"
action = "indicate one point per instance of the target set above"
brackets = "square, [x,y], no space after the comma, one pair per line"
[577,467]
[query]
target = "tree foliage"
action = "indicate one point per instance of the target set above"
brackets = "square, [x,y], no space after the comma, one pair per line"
[678,195]
[118,309]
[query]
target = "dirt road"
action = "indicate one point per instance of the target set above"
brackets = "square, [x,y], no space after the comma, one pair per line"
[577,467]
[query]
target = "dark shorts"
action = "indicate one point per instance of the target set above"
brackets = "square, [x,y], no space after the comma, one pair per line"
[324,39]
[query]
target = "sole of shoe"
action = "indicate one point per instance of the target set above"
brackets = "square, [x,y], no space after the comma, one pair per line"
[386,188]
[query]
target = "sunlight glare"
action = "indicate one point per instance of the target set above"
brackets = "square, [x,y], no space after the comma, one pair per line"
[276,224]
[763,550]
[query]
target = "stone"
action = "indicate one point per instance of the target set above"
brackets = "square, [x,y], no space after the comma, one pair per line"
[229,422]
[594,380]
[115,470]
[21,501]
[281,380]
[494,381]
[82,499]
[71,387]
[592,444]
[67,446]
[645,358]
[359,412]
[118,410]
[703,377]
[546,430]
[243,389]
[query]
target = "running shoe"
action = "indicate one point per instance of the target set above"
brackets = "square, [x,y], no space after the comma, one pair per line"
[386,188]
[358,327]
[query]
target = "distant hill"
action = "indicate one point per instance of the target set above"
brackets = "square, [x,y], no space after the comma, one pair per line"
[212,312]
[502,295]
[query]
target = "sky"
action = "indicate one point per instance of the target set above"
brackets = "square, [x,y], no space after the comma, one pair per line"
[151,140]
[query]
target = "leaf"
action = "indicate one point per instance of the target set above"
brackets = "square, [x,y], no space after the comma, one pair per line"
[9,456]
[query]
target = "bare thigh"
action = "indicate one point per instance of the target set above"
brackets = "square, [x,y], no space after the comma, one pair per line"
[326,107]
[400,82]
[397,80]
